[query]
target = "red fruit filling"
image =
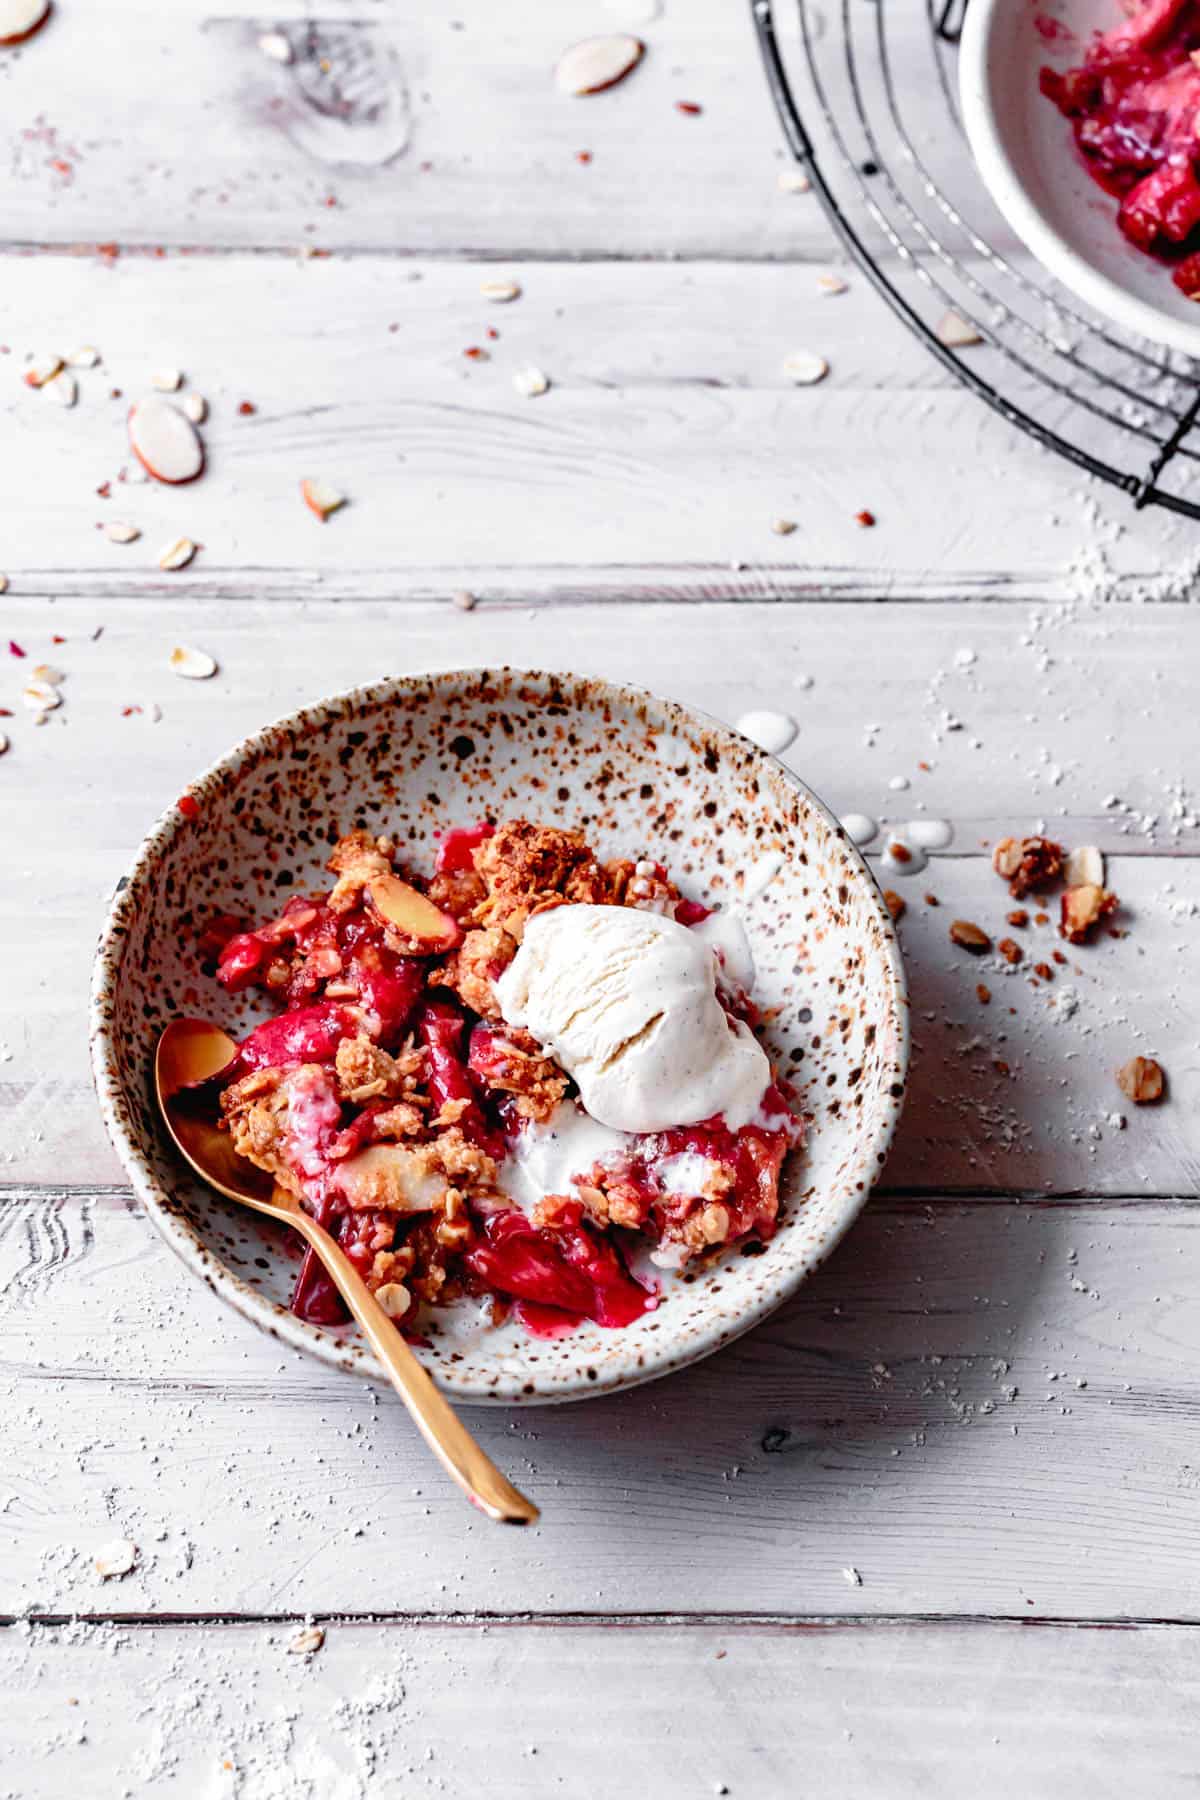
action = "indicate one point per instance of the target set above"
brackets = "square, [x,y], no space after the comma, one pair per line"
[1133,105]
[384,1100]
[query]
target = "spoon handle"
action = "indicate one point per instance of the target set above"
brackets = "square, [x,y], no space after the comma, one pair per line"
[432,1414]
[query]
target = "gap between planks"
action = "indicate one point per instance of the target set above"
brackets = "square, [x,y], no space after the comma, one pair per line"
[733,1623]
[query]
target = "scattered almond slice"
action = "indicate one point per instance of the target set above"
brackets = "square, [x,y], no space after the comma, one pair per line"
[177,555]
[273,44]
[167,381]
[44,672]
[40,696]
[464,600]
[783,527]
[62,388]
[598,63]
[831,284]
[117,532]
[307,1642]
[500,291]
[195,406]
[1082,909]
[968,936]
[322,499]
[193,665]
[955,332]
[117,1558]
[530,383]
[1142,1080]
[805,368]
[3,743]
[1084,867]
[3,584]
[164,442]
[19,19]
[86,357]
[793,181]
[43,369]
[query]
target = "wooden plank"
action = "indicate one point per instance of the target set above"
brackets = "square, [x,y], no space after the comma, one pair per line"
[668,444]
[400,129]
[968,1125]
[540,1712]
[981,1408]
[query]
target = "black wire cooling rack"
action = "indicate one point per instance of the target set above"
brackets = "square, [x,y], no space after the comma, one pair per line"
[869,107]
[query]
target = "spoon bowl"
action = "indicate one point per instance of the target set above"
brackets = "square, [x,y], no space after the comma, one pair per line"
[189,1054]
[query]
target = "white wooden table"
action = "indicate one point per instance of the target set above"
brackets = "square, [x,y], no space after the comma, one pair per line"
[988,1404]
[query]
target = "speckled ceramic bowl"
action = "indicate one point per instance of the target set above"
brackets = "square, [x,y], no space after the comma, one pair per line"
[641,775]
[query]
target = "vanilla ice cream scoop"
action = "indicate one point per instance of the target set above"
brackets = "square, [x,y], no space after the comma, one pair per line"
[626,1002]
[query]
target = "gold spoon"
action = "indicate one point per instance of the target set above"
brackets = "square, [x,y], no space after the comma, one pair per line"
[191,1051]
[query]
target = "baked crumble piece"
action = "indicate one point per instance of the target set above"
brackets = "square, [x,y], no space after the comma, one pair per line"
[389,1094]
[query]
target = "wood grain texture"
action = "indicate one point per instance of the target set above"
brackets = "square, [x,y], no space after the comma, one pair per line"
[981,1408]
[901,1710]
[396,129]
[668,444]
[101,778]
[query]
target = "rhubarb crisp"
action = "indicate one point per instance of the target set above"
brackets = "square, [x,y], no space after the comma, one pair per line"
[530,1079]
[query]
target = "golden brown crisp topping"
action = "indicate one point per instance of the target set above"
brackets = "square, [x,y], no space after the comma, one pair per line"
[365,1072]
[471,969]
[896,904]
[458,892]
[1027,863]
[357,859]
[527,867]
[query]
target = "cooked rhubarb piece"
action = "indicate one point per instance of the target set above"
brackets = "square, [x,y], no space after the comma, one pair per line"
[456,851]
[309,1035]
[1134,104]
[569,1269]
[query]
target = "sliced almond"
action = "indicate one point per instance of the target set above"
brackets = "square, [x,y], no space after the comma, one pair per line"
[3,743]
[1082,909]
[177,555]
[783,527]
[530,383]
[164,442]
[793,181]
[117,1558]
[1084,867]
[41,696]
[394,1298]
[307,1642]
[598,63]
[3,584]
[1142,1080]
[167,381]
[831,284]
[805,368]
[196,408]
[274,45]
[193,665]
[322,499]
[969,937]
[464,600]
[117,532]
[86,357]
[46,672]
[42,370]
[500,291]
[62,388]
[956,333]
[19,19]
